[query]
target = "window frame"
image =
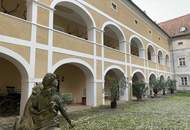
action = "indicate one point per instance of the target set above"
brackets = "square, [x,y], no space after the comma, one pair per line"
[182,61]
[114,4]
[184,81]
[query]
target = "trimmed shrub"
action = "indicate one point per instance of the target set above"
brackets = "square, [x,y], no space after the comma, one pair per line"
[139,89]
[67,98]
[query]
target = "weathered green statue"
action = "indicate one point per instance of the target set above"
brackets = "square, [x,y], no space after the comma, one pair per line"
[41,110]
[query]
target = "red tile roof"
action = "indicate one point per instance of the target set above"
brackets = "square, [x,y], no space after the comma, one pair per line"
[172,27]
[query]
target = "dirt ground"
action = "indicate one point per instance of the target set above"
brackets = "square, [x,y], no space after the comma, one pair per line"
[6,123]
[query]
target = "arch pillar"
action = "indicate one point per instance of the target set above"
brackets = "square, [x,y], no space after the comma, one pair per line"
[118,74]
[92,34]
[89,74]
[141,53]
[123,46]
[125,96]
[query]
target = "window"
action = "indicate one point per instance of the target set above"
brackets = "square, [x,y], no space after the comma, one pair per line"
[180,43]
[182,61]
[114,6]
[183,81]
[136,22]
[183,29]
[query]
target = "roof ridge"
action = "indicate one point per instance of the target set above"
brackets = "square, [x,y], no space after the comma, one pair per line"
[186,15]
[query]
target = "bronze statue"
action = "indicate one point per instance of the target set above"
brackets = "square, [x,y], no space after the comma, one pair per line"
[41,110]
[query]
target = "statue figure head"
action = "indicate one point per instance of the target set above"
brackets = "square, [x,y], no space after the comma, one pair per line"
[50,80]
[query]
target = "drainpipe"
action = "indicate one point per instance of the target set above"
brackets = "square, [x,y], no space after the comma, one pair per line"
[173,59]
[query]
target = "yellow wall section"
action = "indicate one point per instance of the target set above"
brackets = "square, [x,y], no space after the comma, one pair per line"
[66,41]
[59,56]
[152,64]
[42,35]
[22,29]
[21,50]
[43,16]
[137,60]
[114,54]
[41,63]
[99,50]
[108,64]
[46,2]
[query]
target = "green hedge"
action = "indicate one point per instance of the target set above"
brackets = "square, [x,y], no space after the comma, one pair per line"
[139,90]
[68,98]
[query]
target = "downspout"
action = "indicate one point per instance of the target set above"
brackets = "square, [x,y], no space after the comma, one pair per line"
[173,58]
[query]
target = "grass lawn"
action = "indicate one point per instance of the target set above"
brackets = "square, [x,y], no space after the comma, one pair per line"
[165,113]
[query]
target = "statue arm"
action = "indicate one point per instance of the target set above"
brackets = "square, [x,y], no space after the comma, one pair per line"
[63,112]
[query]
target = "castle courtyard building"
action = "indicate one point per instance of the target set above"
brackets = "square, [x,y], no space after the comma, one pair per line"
[82,42]
[179,31]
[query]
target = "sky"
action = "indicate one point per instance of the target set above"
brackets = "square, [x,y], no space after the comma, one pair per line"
[163,10]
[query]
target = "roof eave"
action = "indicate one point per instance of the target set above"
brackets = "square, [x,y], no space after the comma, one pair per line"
[147,17]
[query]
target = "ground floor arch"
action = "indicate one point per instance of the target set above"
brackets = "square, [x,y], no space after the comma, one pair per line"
[14,84]
[137,77]
[113,74]
[152,78]
[77,81]
[162,77]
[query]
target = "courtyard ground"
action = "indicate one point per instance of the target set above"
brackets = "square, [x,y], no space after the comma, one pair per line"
[163,113]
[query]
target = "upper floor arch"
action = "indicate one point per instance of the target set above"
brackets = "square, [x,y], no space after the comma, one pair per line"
[113,36]
[167,60]
[151,53]
[73,18]
[160,57]
[136,46]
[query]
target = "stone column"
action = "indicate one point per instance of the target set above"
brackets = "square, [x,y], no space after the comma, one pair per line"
[122,46]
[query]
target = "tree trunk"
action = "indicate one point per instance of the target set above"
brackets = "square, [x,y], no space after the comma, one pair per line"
[172,91]
[139,97]
[164,92]
[155,92]
[114,104]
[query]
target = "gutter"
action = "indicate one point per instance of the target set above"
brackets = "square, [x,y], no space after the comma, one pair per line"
[172,51]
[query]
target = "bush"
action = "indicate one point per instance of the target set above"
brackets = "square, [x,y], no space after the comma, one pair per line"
[139,89]
[171,84]
[67,98]
[156,86]
[163,86]
[117,88]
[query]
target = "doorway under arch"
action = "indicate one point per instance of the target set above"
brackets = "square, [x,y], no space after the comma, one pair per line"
[152,78]
[77,81]
[14,85]
[113,74]
[137,77]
